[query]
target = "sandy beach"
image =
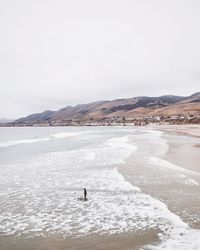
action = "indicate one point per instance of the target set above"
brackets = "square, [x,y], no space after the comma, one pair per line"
[177,187]
[184,151]
[95,242]
[187,155]
[100,125]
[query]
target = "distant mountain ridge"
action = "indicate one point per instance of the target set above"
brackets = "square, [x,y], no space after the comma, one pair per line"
[128,107]
[45,115]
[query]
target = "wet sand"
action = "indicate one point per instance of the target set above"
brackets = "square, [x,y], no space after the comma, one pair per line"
[187,156]
[182,200]
[190,130]
[95,242]
[184,151]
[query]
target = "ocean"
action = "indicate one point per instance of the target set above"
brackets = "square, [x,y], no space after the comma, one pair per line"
[43,171]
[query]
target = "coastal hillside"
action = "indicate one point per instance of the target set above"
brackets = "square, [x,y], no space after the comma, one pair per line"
[130,108]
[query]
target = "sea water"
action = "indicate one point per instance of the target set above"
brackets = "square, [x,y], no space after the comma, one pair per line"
[43,172]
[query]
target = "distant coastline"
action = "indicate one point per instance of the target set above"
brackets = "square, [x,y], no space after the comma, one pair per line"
[138,121]
[137,111]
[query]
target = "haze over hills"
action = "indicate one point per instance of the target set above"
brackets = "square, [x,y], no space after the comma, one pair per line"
[136,107]
[4,120]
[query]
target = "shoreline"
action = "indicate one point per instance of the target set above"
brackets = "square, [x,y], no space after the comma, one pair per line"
[187,156]
[192,130]
[91,242]
[182,200]
[151,125]
[177,197]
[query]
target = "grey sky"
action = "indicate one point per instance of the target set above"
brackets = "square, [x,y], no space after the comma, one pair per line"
[64,52]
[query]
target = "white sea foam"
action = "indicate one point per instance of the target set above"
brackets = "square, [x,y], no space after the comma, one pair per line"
[189,181]
[186,239]
[39,197]
[16,142]
[152,143]
[175,169]
[35,140]
[66,134]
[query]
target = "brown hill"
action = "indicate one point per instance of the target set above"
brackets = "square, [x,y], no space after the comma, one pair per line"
[130,108]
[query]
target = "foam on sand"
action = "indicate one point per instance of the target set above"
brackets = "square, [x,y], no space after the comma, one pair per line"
[181,173]
[186,239]
[39,197]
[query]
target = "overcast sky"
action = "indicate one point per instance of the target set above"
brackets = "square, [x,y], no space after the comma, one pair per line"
[55,53]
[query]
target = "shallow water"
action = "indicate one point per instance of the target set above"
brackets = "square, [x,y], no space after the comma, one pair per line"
[44,171]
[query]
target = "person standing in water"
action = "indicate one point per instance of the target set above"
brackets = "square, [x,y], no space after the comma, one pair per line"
[85,194]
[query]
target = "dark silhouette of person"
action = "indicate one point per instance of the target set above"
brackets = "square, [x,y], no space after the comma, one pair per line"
[85,194]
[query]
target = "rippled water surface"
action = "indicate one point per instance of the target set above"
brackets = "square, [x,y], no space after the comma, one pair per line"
[44,171]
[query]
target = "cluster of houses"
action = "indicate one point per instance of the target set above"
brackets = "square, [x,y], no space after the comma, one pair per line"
[165,120]
[117,121]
